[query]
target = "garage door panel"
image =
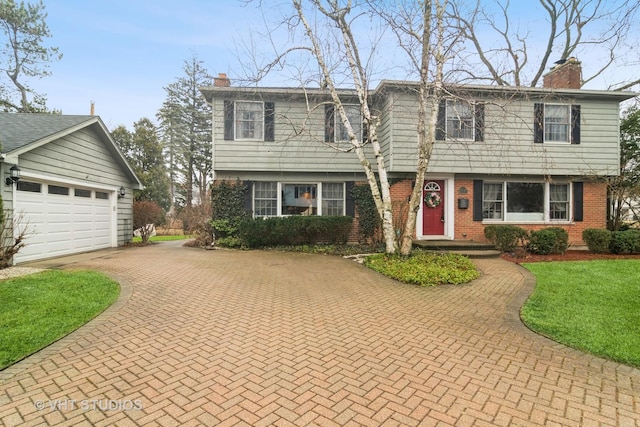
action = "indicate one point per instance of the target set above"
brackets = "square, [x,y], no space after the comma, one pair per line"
[62,225]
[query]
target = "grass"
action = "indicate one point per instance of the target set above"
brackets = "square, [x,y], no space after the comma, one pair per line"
[593,306]
[162,238]
[424,268]
[38,309]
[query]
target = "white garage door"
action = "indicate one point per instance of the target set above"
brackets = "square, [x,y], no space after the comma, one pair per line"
[62,219]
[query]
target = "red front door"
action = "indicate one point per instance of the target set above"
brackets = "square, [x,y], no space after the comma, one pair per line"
[433,208]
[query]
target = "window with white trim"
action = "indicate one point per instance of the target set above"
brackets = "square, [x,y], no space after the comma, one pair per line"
[249,120]
[277,198]
[355,119]
[265,199]
[333,198]
[459,120]
[525,201]
[557,123]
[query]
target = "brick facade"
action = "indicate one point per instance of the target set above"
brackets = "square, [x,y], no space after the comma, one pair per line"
[594,208]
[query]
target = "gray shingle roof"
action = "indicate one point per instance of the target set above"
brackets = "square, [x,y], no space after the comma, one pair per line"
[18,130]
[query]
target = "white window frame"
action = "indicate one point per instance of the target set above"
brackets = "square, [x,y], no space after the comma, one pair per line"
[451,107]
[319,197]
[546,219]
[354,115]
[238,120]
[547,124]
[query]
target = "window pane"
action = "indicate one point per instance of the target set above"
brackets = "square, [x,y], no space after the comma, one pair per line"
[56,189]
[265,199]
[32,187]
[556,123]
[299,199]
[559,201]
[492,201]
[353,114]
[249,120]
[332,198]
[525,201]
[459,120]
[79,192]
[102,195]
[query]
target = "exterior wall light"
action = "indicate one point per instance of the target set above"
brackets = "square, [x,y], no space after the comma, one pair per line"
[14,175]
[121,192]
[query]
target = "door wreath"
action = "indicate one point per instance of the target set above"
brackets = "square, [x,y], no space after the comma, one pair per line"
[432,199]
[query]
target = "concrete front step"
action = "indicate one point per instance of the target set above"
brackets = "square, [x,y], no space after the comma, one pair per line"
[462,247]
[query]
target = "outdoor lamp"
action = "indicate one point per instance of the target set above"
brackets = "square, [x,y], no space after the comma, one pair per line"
[121,192]
[14,175]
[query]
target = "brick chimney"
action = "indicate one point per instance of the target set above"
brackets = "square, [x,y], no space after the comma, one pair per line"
[222,80]
[567,74]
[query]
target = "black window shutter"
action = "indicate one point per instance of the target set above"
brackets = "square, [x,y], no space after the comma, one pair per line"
[442,117]
[575,124]
[329,123]
[578,204]
[228,120]
[248,197]
[365,132]
[350,205]
[269,121]
[479,113]
[538,123]
[477,200]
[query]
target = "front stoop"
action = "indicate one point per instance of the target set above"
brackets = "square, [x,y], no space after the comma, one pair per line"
[460,247]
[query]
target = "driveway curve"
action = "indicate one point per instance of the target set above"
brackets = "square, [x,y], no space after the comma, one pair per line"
[269,338]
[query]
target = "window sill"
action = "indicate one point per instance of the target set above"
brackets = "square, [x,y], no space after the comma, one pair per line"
[550,222]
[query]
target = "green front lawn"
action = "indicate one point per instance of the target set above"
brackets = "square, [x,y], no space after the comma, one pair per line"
[162,238]
[38,309]
[593,306]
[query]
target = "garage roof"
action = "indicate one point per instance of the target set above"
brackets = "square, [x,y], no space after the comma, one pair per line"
[22,132]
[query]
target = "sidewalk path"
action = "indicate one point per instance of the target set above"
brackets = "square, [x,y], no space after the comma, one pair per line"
[268,338]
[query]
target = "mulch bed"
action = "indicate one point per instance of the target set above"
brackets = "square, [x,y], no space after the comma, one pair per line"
[567,256]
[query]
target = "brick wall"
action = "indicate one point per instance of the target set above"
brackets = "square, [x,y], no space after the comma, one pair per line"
[595,215]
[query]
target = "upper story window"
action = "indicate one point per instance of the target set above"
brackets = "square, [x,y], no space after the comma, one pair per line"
[557,123]
[249,120]
[249,123]
[335,130]
[460,120]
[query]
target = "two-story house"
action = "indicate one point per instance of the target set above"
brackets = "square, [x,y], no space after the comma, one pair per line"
[533,157]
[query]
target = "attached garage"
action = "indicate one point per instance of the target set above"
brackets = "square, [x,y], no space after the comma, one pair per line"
[75,189]
[67,219]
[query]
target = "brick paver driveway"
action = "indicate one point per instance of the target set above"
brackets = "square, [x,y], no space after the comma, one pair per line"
[261,338]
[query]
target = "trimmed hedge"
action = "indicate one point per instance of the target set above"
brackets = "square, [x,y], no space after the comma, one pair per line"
[551,240]
[625,242]
[506,238]
[598,240]
[294,230]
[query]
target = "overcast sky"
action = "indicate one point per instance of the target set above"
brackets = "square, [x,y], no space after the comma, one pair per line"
[120,54]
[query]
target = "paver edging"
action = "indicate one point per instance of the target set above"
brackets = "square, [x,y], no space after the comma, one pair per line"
[126,290]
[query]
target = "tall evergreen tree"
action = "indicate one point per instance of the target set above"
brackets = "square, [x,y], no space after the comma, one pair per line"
[143,150]
[185,121]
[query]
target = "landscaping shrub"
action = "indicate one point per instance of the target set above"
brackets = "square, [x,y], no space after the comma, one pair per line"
[598,240]
[625,242]
[294,230]
[424,268]
[146,213]
[227,208]
[552,240]
[506,238]
[368,218]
